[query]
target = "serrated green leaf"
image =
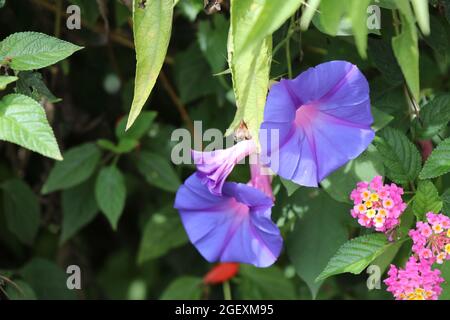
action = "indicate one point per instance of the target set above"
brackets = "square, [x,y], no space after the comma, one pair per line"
[78,165]
[158,172]
[110,192]
[317,235]
[400,157]
[5,80]
[406,50]
[23,121]
[250,70]
[434,116]
[264,284]
[438,163]
[446,202]
[152,26]
[355,255]
[364,168]
[265,17]
[32,50]
[21,208]
[31,84]
[162,232]
[183,288]
[426,199]
[79,207]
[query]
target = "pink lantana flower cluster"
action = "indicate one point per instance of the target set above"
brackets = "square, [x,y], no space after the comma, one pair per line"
[417,281]
[377,205]
[431,239]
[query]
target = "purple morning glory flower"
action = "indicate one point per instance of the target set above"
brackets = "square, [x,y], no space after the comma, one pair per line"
[321,120]
[214,167]
[232,227]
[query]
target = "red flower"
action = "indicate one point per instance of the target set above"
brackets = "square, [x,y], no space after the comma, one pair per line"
[221,272]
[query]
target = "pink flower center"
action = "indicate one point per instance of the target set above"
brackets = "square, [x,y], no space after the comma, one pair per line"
[239,208]
[305,115]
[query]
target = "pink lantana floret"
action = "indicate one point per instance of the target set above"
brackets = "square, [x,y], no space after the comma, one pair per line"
[431,239]
[377,205]
[417,281]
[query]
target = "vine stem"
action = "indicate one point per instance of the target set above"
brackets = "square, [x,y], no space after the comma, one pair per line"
[288,46]
[227,291]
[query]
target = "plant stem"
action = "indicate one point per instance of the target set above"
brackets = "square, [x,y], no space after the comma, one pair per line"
[227,291]
[288,47]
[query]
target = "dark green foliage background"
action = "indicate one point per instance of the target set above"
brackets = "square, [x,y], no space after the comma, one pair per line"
[148,256]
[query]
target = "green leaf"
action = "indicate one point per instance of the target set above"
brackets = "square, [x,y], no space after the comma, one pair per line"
[183,288]
[32,50]
[124,146]
[212,39]
[438,163]
[23,121]
[110,192]
[445,273]
[21,208]
[309,11]
[89,10]
[380,119]
[364,168]
[290,186]
[381,54]
[317,234]
[78,165]
[264,18]
[152,26]
[358,15]
[422,15]
[5,80]
[426,199]
[20,290]
[406,50]
[250,70]
[434,116]
[140,128]
[193,75]
[79,207]
[330,15]
[400,156]
[189,8]
[446,202]
[47,279]
[31,84]
[158,171]
[264,284]
[355,255]
[162,233]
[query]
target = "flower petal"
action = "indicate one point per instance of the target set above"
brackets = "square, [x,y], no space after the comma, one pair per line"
[233,227]
[331,124]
